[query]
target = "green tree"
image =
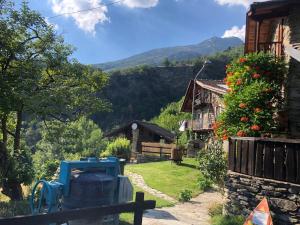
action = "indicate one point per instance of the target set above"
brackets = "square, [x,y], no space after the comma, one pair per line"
[59,141]
[37,79]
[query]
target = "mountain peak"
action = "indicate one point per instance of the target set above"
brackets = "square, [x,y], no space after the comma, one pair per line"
[177,53]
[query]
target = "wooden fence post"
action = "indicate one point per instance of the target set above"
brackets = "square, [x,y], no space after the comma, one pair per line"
[138,213]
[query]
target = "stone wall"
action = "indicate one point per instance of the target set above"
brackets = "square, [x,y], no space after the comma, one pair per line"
[244,192]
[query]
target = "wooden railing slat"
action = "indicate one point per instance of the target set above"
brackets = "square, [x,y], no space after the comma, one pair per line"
[279,165]
[238,156]
[251,159]
[298,164]
[244,161]
[231,154]
[269,160]
[259,159]
[290,163]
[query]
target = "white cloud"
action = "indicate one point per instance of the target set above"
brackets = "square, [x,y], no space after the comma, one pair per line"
[235,31]
[85,20]
[140,3]
[245,3]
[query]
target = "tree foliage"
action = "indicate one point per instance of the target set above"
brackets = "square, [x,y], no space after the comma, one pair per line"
[254,96]
[60,141]
[37,80]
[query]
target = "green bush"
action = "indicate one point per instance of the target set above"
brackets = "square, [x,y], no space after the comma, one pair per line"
[227,220]
[254,96]
[185,195]
[212,162]
[204,183]
[120,148]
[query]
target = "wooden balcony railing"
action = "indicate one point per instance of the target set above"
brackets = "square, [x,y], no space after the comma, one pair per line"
[198,125]
[275,48]
[277,159]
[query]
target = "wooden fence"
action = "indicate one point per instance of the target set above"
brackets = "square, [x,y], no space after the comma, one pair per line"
[61,217]
[163,151]
[271,158]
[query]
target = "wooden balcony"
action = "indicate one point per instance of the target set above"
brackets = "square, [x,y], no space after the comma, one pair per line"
[199,125]
[275,48]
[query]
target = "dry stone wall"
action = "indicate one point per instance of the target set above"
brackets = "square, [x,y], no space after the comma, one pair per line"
[244,192]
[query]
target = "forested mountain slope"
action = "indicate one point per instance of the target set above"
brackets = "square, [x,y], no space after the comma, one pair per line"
[140,93]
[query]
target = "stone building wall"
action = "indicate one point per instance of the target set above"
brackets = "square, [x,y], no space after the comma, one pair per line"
[293,81]
[243,193]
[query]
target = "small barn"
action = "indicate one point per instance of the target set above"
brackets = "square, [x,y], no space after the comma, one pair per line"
[140,131]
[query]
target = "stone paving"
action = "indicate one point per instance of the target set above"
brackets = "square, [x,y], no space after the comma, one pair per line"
[194,212]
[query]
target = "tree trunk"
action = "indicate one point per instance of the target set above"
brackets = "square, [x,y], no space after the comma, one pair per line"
[17,138]
[10,187]
[13,190]
[3,149]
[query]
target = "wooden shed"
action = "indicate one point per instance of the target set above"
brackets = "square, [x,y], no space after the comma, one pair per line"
[140,131]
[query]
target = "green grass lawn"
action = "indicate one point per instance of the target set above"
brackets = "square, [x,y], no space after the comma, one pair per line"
[168,177]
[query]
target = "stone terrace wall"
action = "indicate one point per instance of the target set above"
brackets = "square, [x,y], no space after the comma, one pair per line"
[244,192]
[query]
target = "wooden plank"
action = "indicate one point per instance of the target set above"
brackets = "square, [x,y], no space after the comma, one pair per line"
[298,164]
[231,154]
[75,214]
[244,157]
[269,160]
[138,214]
[279,159]
[290,163]
[251,158]
[259,159]
[238,156]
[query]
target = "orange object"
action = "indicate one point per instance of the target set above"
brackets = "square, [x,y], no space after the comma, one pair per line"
[261,215]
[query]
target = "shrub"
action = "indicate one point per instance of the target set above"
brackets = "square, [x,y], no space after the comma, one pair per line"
[185,195]
[253,98]
[204,183]
[120,148]
[212,162]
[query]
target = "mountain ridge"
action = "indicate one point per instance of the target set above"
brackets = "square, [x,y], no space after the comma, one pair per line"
[156,56]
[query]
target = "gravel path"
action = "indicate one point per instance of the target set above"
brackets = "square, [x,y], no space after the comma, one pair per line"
[194,212]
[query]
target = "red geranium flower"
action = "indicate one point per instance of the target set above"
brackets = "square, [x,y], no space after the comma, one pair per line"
[255,127]
[242,60]
[244,119]
[225,137]
[239,82]
[256,76]
[242,105]
[257,110]
[228,83]
[241,133]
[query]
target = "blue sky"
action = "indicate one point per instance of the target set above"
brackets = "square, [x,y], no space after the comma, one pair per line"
[133,26]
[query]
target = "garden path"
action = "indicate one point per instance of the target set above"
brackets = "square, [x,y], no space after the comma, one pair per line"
[194,212]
